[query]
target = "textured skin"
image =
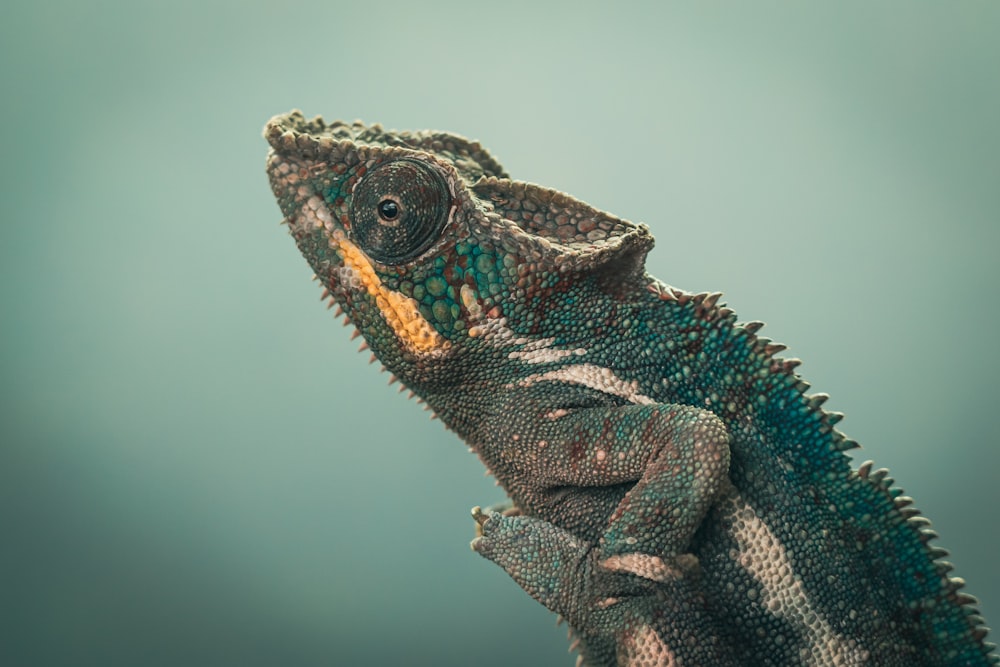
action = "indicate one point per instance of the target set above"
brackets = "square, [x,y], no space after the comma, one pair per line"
[677,496]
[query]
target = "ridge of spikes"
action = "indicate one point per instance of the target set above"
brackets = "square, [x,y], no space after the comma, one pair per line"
[706,305]
[815,401]
[833,418]
[843,443]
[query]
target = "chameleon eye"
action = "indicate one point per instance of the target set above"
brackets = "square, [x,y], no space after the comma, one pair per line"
[398,210]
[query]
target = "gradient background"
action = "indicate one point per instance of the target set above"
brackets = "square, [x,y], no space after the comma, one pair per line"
[197,469]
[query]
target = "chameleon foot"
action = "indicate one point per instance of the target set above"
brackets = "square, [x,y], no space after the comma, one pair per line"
[615,610]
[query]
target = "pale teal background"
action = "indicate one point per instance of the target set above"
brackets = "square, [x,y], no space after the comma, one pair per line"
[197,469]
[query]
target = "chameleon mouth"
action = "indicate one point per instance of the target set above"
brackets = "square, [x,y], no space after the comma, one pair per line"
[299,148]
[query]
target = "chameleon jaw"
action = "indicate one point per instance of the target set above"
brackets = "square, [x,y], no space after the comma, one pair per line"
[400,312]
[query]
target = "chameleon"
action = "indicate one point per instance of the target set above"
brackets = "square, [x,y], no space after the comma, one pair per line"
[675,493]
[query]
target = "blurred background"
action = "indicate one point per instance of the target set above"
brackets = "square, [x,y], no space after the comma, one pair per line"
[196,468]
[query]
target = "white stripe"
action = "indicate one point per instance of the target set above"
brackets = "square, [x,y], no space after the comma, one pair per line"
[593,376]
[765,558]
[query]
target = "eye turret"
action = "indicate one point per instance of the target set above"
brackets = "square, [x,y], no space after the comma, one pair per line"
[399,209]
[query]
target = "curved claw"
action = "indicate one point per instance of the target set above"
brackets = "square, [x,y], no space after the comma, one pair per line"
[481,517]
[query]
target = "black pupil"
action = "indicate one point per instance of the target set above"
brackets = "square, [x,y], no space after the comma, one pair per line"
[387,209]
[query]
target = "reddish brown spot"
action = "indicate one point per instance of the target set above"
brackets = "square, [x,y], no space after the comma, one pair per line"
[694,346]
[647,430]
[577,448]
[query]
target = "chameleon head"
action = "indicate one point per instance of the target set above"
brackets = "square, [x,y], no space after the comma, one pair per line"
[422,238]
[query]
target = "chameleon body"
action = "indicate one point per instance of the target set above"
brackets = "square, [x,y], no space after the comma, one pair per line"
[676,494]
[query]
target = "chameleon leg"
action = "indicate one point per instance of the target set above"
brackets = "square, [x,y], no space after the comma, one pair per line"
[622,616]
[675,457]
[687,468]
